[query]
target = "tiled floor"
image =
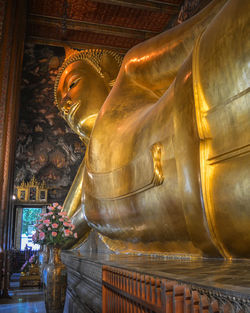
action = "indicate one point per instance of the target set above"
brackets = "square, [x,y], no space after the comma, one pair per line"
[23,300]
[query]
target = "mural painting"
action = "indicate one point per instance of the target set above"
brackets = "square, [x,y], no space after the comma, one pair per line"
[46,147]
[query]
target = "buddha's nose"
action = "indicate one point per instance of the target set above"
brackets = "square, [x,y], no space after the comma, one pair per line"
[65,106]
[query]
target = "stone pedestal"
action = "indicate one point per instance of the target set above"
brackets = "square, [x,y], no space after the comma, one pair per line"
[221,284]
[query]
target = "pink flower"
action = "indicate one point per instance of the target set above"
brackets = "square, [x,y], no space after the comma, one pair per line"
[62,213]
[55,204]
[54,225]
[53,217]
[54,233]
[50,213]
[40,226]
[75,235]
[49,228]
[61,219]
[46,222]
[50,207]
[41,235]
[67,232]
[66,224]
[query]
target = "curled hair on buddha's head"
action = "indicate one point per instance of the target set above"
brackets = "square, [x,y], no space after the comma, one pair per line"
[105,62]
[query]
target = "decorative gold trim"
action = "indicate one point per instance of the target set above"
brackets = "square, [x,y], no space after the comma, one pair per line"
[22,193]
[25,188]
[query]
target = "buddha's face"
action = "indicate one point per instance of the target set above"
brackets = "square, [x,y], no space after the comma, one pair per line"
[80,94]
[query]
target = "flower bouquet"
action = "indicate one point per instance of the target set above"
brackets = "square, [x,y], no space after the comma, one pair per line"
[54,228]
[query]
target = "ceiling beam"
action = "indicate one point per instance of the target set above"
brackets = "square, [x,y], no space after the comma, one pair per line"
[153,5]
[73,44]
[90,27]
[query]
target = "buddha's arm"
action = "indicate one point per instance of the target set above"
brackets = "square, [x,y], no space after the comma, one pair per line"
[73,205]
[155,62]
[73,200]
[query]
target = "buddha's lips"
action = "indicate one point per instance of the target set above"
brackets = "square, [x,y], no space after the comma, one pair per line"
[73,108]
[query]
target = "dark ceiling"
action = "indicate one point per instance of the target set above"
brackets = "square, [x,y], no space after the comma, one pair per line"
[115,24]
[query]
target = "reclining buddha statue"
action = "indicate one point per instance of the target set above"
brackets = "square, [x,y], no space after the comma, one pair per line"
[166,170]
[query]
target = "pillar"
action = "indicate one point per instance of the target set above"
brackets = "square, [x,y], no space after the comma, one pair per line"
[11,54]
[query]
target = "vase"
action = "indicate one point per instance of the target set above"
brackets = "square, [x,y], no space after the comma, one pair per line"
[43,259]
[55,281]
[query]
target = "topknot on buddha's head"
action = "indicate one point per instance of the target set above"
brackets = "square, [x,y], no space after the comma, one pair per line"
[106,62]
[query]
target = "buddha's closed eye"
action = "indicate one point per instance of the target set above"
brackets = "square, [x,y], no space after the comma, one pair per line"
[73,83]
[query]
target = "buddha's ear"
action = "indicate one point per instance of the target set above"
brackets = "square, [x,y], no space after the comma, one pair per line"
[110,68]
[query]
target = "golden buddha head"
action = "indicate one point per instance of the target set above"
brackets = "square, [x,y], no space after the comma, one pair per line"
[82,85]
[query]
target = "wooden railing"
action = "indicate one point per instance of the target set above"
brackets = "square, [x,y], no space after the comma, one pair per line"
[130,292]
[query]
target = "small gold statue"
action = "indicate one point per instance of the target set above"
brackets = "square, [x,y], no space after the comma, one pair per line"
[167,163]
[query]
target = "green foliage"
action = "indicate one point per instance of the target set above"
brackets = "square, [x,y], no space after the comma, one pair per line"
[30,216]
